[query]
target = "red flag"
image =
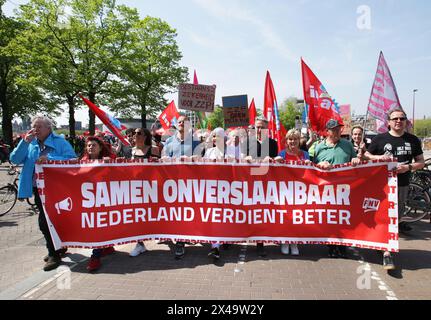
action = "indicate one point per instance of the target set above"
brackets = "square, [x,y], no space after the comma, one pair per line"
[270,111]
[170,116]
[252,113]
[113,124]
[320,104]
[195,79]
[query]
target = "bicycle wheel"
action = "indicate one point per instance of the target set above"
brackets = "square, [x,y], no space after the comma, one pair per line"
[8,196]
[418,204]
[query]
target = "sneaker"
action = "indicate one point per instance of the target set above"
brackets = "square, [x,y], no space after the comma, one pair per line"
[94,264]
[140,248]
[388,263]
[285,249]
[52,263]
[294,249]
[214,253]
[179,251]
[261,250]
[108,251]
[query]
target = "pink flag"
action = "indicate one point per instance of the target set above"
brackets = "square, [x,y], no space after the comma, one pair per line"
[384,96]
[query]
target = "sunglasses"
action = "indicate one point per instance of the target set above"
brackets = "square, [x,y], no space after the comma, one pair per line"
[139,133]
[399,119]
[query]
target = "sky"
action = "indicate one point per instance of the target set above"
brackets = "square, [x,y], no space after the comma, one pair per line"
[232,43]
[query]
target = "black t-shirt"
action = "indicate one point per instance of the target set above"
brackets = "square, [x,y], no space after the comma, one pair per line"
[404,149]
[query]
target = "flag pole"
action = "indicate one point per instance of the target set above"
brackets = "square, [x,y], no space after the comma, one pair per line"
[303,92]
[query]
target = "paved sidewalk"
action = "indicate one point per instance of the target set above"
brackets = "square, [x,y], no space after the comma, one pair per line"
[241,274]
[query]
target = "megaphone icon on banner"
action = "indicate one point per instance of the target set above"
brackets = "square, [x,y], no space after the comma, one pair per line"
[65,205]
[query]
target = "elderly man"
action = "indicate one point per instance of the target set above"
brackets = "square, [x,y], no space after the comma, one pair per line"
[40,144]
[332,151]
[404,147]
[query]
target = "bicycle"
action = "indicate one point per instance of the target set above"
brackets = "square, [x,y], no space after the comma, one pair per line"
[418,203]
[9,196]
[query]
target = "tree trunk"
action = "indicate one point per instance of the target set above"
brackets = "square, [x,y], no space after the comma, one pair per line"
[6,119]
[71,103]
[144,115]
[91,115]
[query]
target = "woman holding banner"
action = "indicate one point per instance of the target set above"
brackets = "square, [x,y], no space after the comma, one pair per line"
[292,152]
[96,149]
[143,149]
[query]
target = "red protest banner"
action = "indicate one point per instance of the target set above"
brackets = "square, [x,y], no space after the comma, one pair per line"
[111,204]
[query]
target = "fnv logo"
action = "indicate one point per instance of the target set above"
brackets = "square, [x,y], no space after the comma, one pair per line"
[370,204]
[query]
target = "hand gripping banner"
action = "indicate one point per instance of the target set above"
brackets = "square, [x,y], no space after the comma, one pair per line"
[96,204]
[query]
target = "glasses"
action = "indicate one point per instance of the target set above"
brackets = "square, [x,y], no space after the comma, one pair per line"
[399,119]
[138,133]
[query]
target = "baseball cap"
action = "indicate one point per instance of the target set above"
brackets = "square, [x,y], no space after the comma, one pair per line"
[331,124]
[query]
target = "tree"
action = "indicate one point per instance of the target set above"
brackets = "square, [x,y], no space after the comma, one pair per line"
[216,119]
[18,94]
[48,67]
[148,71]
[90,43]
[289,110]
[423,128]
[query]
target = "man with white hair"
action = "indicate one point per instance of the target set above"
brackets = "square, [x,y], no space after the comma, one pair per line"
[40,144]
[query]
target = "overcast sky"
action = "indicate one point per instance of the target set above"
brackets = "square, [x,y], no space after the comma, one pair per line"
[232,43]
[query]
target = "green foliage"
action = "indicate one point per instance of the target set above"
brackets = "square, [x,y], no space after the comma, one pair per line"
[423,128]
[149,70]
[216,119]
[289,110]
[103,50]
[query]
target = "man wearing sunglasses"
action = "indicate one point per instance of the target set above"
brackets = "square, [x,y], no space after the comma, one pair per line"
[403,147]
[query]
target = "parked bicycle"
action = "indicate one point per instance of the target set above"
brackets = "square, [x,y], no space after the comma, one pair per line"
[418,204]
[9,195]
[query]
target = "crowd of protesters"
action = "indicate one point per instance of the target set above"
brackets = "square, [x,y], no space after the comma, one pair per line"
[251,144]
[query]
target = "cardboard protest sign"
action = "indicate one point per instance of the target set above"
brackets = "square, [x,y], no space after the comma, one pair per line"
[235,111]
[346,115]
[196,97]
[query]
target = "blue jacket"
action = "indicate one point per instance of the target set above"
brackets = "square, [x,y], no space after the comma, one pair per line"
[28,153]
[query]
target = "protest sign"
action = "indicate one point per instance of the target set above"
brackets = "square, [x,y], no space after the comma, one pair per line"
[346,116]
[196,97]
[110,204]
[235,111]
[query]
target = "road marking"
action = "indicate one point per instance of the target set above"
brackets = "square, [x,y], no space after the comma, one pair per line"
[241,258]
[390,295]
[83,252]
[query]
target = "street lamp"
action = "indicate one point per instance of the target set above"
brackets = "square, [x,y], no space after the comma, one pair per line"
[414,100]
